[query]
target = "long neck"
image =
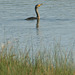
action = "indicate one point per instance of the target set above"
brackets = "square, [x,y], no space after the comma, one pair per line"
[36,10]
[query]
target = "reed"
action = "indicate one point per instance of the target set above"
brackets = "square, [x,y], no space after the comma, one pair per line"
[53,62]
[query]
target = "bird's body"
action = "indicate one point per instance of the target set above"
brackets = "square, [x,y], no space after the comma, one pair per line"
[37,14]
[31,18]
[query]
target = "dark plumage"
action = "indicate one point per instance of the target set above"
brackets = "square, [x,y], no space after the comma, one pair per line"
[37,14]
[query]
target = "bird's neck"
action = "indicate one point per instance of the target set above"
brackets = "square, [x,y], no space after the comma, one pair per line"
[38,16]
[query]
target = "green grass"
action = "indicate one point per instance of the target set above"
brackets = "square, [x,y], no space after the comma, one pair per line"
[53,62]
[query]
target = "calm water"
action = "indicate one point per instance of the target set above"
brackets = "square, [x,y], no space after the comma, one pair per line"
[57,22]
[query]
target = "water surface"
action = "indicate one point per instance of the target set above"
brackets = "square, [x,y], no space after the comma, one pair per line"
[57,22]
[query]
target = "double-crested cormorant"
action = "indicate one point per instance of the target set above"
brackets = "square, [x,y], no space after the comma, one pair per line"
[37,14]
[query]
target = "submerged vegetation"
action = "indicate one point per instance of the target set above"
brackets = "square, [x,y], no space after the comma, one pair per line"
[54,62]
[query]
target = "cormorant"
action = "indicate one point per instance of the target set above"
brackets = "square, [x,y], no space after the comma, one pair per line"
[37,14]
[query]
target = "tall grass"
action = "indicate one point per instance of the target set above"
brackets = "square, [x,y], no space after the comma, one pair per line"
[53,62]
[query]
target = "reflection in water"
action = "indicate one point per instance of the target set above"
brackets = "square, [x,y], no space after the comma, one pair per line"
[37,24]
[38,33]
[37,27]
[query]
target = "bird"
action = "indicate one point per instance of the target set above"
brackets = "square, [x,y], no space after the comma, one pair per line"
[36,11]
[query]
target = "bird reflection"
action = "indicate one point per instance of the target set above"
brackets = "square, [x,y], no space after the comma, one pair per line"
[37,27]
[37,24]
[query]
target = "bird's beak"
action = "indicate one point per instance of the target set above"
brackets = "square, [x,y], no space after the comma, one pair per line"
[40,5]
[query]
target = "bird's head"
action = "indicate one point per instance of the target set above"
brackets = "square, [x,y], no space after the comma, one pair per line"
[38,5]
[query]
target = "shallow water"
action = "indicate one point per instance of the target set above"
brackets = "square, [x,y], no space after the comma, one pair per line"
[57,22]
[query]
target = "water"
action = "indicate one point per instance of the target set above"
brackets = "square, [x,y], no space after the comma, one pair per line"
[57,22]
